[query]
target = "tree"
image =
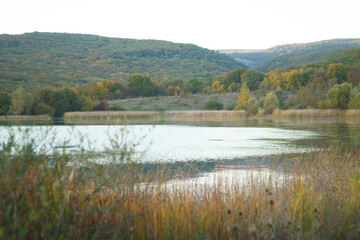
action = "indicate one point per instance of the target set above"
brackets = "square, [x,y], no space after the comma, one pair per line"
[18,103]
[5,102]
[29,99]
[271,103]
[194,85]
[233,77]
[86,104]
[115,89]
[252,79]
[97,90]
[355,100]
[45,95]
[337,71]
[339,96]
[142,86]
[66,101]
[244,94]
[251,106]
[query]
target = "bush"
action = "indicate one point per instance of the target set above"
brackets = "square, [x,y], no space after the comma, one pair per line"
[339,96]
[213,105]
[41,108]
[230,106]
[271,103]
[355,100]
[251,106]
[102,105]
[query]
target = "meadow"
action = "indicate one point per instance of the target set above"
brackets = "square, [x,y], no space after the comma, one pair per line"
[62,196]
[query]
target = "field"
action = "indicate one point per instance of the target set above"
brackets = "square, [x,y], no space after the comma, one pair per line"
[174,103]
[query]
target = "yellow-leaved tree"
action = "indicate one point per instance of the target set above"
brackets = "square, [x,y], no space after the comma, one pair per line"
[244,94]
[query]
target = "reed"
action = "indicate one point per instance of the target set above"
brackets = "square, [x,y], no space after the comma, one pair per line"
[221,115]
[317,198]
[316,113]
[113,115]
[25,118]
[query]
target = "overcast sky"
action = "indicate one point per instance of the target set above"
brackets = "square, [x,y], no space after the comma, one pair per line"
[224,24]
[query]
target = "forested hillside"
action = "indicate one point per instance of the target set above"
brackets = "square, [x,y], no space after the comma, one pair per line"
[297,59]
[57,59]
[297,54]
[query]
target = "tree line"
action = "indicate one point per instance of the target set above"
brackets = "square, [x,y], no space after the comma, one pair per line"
[330,84]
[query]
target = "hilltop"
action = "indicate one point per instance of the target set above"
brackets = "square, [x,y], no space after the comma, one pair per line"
[62,59]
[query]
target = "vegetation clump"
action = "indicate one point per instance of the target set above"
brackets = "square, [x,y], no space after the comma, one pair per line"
[213,105]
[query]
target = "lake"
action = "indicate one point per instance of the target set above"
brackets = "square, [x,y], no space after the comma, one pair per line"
[214,148]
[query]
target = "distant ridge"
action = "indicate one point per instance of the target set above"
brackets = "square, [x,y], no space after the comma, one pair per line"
[287,55]
[57,59]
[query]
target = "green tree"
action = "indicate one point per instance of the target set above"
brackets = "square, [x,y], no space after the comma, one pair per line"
[339,96]
[281,97]
[45,95]
[29,99]
[337,71]
[252,79]
[5,102]
[142,86]
[18,103]
[194,85]
[233,77]
[66,101]
[271,103]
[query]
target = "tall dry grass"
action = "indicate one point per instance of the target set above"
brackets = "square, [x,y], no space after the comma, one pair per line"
[220,115]
[132,116]
[25,117]
[317,198]
[316,113]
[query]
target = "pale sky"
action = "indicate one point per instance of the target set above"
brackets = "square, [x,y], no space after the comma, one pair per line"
[225,24]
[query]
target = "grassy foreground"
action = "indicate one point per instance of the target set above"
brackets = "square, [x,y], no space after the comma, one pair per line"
[47,197]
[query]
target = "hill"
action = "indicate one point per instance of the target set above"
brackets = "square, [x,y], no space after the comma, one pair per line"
[58,59]
[254,58]
[297,59]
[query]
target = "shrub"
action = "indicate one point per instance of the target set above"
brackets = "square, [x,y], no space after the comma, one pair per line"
[86,104]
[271,103]
[339,96]
[41,108]
[102,105]
[355,100]
[251,106]
[213,105]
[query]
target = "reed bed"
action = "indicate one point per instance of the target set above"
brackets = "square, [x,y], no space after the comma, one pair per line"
[221,115]
[316,113]
[112,115]
[25,118]
[318,198]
